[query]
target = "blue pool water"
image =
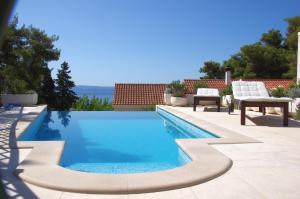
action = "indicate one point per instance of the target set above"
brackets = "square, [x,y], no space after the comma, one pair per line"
[116,142]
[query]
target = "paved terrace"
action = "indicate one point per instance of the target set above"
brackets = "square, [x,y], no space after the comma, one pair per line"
[270,169]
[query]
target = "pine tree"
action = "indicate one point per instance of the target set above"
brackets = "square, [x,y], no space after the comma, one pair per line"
[47,89]
[65,95]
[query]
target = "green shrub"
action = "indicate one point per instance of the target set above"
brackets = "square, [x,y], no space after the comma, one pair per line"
[168,90]
[297,116]
[93,104]
[294,93]
[294,85]
[81,104]
[227,91]
[15,86]
[278,91]
[200,85]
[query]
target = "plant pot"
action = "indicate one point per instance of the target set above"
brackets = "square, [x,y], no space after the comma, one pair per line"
[167,98]
[19,99]
[179,101]
[226,99]
[270,110]
[293,105]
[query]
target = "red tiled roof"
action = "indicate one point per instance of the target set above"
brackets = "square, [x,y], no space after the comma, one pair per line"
[271,83]
[152,94]
[212,83]
[139,94]
[220,83]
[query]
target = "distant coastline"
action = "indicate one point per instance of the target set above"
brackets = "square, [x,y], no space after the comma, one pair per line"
[97,91]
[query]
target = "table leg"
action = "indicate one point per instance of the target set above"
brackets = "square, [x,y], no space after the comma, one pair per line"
[195,104]
[243,113]
[218,104]
[286,114]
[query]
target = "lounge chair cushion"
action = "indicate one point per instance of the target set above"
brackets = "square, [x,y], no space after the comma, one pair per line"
[265,99]
[208,92]
[254,91]
[249,89]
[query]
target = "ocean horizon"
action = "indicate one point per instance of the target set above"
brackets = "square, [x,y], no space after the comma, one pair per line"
[97,91]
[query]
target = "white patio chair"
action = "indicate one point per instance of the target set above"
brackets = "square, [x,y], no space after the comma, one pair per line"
[255,94]
[207,94]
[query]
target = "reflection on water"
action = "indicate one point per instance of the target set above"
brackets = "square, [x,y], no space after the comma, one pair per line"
[46,132]
[64,117]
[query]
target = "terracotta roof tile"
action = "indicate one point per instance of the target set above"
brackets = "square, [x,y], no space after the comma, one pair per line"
[271,83]
[152,94]
[139,94]
[212,83]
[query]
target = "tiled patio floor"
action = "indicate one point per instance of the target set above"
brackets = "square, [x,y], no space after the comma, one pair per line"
[270,169]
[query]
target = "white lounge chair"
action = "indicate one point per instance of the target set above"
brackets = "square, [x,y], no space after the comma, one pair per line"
[255,94]
[207,94]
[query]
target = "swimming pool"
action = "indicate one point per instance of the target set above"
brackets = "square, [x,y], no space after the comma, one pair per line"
[116,142]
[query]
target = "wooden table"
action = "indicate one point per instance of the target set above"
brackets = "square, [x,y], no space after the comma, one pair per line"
[262,106]
[197,99]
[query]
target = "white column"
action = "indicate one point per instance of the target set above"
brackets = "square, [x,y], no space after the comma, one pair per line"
[298,60]
[227,75]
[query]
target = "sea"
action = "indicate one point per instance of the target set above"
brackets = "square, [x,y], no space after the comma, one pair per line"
[97,91]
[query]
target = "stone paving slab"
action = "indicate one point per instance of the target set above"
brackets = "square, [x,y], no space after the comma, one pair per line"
[272,174]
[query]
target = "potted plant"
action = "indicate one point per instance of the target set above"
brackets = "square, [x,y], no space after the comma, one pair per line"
[227,95]
[178,91]
[294,93]
[167,95]
[297,116]
[15,91]
[27,98]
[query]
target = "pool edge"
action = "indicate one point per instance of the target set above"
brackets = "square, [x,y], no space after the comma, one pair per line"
[42,170]
[39,169]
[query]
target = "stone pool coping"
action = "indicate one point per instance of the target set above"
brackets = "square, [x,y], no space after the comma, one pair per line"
[225,136]
[41,167]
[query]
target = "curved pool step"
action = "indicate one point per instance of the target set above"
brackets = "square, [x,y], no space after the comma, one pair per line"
[43,170]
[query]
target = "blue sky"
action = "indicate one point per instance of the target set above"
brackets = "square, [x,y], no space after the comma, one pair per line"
[150,41]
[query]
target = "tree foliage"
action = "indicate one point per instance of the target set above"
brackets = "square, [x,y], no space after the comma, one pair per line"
[274,56]
[272,38]
[65,96]
[47,90]
[93,104]
[24,56]
[212,70]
